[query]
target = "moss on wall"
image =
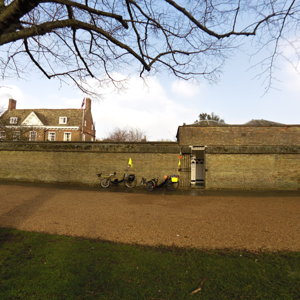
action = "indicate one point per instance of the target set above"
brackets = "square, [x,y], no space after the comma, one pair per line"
[103,147]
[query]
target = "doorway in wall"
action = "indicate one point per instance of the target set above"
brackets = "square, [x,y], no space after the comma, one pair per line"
[198,166]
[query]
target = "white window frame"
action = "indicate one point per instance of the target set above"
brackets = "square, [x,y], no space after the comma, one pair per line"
[32,136]
[52,136]
[2,135]
[63,120]
[13,120]
[67,136]
[16,135]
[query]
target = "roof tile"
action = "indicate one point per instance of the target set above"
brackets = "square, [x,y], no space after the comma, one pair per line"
[49,117]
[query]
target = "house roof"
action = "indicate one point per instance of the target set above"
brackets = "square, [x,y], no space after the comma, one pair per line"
[261,122]
[49,117]
[252,123]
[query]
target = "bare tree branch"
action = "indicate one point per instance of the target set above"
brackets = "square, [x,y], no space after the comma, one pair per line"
[90,10]
[126,135]
[33,59]
[77,40]
[48,27]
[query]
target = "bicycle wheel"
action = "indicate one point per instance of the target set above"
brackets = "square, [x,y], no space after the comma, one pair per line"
[150,186]
[105,182]
[130,183]
[171,186]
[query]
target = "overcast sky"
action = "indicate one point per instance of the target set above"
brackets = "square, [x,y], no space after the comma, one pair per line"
[160,105]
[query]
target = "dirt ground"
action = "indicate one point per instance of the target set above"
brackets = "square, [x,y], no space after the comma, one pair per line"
[253,221]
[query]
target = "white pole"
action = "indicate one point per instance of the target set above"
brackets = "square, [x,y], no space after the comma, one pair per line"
[83,108]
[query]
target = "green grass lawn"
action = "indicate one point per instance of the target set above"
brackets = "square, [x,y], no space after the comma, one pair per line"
[44,266]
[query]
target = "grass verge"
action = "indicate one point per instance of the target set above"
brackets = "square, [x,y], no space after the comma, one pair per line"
[44,266]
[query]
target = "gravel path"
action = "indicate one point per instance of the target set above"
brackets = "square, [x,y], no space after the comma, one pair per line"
[212,220]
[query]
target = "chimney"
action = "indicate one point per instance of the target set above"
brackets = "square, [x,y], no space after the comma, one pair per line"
[12,104]
[88,103]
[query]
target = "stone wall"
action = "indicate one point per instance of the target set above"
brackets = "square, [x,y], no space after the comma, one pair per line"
[228,167]
[253,167]
[78,163]
[248,167]
[253,171]
[238,135]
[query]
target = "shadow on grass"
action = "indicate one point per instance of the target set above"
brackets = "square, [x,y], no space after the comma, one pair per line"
[44,266]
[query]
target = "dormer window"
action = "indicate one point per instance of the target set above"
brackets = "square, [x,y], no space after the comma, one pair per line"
[13,120]
[63,120]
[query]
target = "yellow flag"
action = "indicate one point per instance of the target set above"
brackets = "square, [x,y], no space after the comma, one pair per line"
[179,163]
[130,163]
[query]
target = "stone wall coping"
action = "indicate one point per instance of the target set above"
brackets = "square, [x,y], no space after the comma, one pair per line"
[107,147]
[144,147]
[238,125]
[235,149]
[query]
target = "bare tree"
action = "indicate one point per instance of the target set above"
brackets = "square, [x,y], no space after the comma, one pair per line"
[126,135]
[76,40]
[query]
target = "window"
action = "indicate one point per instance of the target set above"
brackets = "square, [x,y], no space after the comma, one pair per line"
[32,136]
[51,136]
[16,135]
[84,122]
[2,135]
[67,136]
[63,120]
[13,120]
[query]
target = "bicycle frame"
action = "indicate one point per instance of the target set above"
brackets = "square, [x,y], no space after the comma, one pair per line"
[170,181]
[108,180]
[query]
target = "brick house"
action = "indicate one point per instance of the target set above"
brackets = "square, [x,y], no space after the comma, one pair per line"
[47,124]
